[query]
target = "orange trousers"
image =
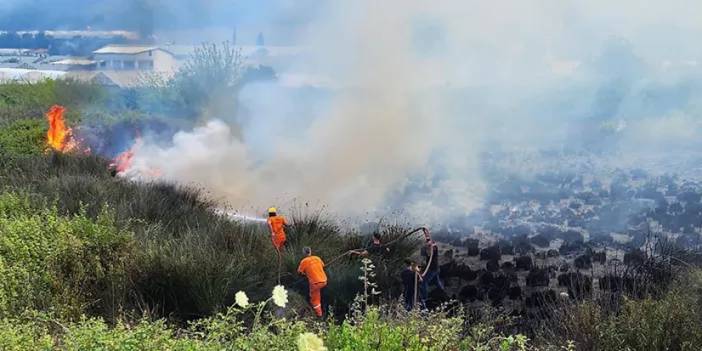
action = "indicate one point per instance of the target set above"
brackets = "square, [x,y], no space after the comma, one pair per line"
[278,241]
[316,297]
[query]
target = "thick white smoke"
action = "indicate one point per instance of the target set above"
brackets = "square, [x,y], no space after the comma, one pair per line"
[420,90]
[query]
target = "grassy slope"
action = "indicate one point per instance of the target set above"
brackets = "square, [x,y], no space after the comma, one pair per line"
[187,260]
[113,249]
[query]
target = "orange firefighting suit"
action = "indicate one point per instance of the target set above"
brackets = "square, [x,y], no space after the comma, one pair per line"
[277,225]
[313,268]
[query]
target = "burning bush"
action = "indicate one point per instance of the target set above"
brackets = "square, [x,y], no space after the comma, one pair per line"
[58,137]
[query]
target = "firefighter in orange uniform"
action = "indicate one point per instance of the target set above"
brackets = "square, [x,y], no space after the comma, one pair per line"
[313,268]
[277,225]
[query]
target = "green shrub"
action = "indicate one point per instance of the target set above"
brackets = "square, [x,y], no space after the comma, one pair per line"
[225,332]
[250,325]
[28,96]
[94,334]
[669,323]
[32,100]
[24,136]
[263,331]
[51,262]
[24,335]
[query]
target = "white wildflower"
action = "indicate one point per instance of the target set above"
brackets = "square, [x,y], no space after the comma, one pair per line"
[241,299]
[280,296]
[310,342]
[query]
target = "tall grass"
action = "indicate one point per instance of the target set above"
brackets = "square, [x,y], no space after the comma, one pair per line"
[669,320]
[189,260]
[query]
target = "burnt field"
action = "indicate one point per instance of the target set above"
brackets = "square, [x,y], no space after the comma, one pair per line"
[563,237]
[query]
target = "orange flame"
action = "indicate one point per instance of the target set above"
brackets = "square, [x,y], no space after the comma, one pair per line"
[123,161]
[58,135]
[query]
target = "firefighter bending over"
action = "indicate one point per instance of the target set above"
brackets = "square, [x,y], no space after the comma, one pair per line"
[313,268]
[277,225]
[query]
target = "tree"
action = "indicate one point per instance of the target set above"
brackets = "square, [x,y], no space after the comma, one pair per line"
[208,82]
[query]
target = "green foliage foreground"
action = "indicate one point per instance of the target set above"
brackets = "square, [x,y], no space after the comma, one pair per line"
[375,329]
[50,262]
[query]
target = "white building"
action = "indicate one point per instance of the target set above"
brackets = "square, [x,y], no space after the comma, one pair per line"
[136,58]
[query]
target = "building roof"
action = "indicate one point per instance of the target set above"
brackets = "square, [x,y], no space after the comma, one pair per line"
[125,49]
[74,61]
[122,79]
[28,75]
[180,50]
[13,52]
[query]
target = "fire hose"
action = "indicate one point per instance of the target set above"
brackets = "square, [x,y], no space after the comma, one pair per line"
[280,263]
[418,275]
[422,275]
[424,230]
[427,236]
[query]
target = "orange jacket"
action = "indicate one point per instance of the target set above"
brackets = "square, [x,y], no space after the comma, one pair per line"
[313,268]
[277,225]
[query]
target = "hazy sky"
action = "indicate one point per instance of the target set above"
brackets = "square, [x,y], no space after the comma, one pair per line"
[279,18]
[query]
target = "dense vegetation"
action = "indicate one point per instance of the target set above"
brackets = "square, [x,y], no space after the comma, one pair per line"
[92,261]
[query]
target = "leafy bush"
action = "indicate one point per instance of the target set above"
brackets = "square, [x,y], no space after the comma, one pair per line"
[260,326]
[61,263]
[645,324]
[264,331]
[663,324]
[32,100]
[402,332]
[24,136]
[34,97]
[24,335]
[94,334]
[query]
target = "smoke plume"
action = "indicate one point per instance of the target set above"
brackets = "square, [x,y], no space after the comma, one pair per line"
[416,95]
